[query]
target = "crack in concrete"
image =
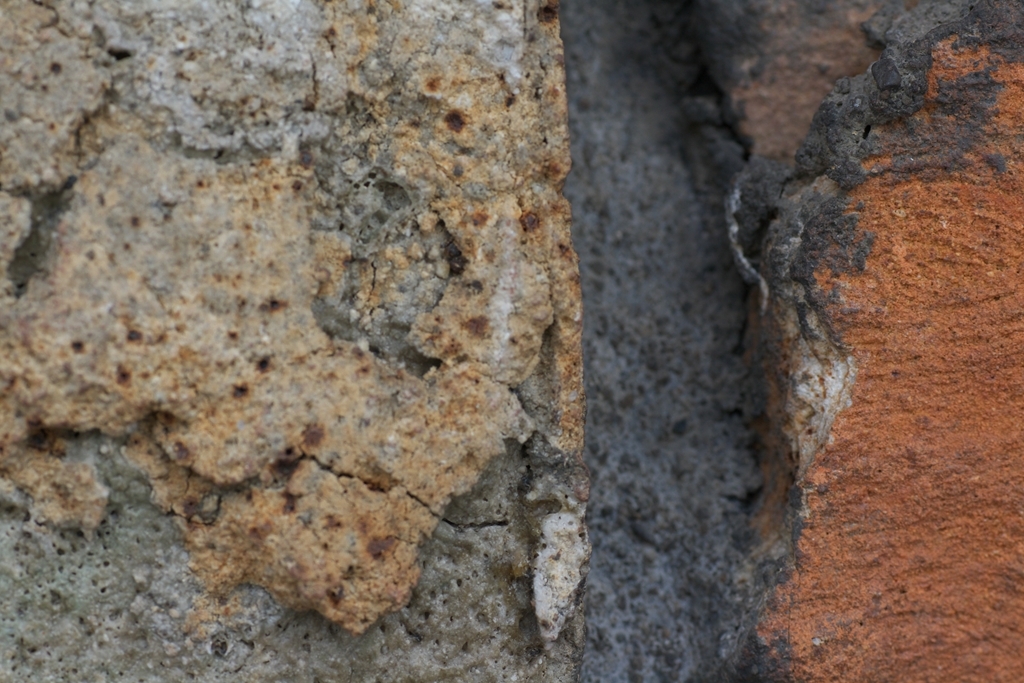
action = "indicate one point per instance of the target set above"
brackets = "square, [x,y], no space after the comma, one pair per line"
[463,526]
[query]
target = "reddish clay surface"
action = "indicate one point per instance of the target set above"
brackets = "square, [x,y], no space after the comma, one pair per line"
[808,47]
[910,564]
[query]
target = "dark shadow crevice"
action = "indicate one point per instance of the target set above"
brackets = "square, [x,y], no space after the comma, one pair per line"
[32,255]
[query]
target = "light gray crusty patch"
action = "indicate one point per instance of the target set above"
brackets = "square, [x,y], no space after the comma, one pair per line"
[120,606]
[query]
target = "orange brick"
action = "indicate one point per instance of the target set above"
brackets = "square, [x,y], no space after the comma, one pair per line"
[896,345]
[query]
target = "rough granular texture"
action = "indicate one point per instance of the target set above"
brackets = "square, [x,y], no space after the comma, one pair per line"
[307,267]
[673,467]
[907,558]
[123,604]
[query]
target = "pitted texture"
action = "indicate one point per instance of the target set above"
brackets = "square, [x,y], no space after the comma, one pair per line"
[302,254]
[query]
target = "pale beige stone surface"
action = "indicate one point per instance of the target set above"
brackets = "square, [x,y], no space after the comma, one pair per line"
[306,265]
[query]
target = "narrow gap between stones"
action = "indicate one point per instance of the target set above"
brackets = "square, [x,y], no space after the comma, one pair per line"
[674,396]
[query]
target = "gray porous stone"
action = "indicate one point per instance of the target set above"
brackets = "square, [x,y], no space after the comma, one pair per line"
[674,470]
[290,373]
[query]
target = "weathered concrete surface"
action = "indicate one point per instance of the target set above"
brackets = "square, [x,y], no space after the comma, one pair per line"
[304,271]
[896,331]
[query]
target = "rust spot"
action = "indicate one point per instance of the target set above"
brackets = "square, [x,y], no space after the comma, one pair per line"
[200,183]
[312,435]
[289,503]
[77,346]
[232,335]
[330,33]
[180,451]
[529,221]
[378,546]
[455,121]
[240,391]
[336,594]
[260,531]
[297,185]
[124,376]
[433,84]
[134,335]
[477,326]
[56,68]
[479,218]
[263,364]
